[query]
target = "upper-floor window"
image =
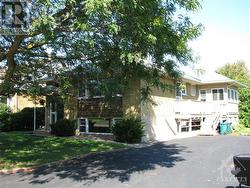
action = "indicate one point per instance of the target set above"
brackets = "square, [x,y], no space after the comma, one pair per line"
[181,90]
[90,89]
[203,95]
[193,90]
[218,94]
[232,95]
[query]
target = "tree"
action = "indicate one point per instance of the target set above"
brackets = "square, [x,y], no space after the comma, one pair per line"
[239,71]
[110,38]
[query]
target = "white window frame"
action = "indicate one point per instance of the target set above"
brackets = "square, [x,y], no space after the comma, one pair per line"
[178,89]
[87,96]
[232,95]
[193,90]
[51,115]
[86,125]
[200,99]
[218,94]
[185,90]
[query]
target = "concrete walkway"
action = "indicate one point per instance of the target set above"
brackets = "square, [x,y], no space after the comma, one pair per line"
[201,162]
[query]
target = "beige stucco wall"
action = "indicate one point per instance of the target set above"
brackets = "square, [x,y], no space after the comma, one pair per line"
[159,117]
[170,93]
[131,101]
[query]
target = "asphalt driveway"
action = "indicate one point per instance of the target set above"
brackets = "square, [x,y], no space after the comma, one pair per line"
[201,162]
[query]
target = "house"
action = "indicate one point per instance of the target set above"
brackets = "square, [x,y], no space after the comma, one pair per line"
[195,105]
[17,102]
[204,100]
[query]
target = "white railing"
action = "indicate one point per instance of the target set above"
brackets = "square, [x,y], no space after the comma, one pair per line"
[198,107]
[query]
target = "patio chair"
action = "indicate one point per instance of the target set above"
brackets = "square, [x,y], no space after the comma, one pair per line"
[242,169]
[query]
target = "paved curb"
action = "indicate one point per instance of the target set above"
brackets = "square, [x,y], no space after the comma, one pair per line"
[15,170]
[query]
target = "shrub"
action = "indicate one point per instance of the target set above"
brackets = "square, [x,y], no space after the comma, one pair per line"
[5,114]
[129,130]
[4,109]
[24,120]
[63,127]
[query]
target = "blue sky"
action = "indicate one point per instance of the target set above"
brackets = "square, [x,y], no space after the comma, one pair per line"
[226,37]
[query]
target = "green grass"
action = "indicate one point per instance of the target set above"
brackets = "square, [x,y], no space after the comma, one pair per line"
[24,150]
[242,130]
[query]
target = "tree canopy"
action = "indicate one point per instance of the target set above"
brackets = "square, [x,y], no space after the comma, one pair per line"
[239,71]
[116,40]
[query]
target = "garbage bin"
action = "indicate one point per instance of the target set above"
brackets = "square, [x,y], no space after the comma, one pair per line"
[223,128]
[229,128]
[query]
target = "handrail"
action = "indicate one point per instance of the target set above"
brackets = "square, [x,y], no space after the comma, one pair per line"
[171,128]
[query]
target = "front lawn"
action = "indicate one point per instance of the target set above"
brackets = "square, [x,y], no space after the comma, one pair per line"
[242,130]
[24,150]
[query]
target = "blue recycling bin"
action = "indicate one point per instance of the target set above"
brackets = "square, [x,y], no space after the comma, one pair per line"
[223,128]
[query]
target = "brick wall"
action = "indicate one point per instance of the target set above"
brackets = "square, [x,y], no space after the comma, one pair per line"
[97,107]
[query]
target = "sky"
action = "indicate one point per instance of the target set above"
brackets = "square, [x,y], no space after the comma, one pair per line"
[226,35]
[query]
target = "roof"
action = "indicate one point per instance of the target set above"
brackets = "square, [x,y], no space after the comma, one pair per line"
[201,76]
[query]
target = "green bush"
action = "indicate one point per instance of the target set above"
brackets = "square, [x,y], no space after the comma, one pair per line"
[24,120]
[63,127]
[5,114]
[244,106]
[130,130]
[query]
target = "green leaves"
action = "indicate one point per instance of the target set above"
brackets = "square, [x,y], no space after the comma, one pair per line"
[239,71]
[113,38]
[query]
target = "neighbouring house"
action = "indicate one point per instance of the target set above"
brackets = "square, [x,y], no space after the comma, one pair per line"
[17,102]
[195,105]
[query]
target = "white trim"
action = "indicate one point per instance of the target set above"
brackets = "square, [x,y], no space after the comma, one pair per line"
[218,94]
[191,91]
[86,124]
[199,98]
[53,113]
[113,120]
[235,97]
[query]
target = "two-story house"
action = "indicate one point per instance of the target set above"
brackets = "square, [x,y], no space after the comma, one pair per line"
[194,106]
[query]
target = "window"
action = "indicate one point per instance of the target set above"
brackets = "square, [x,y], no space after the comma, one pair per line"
[218,94]
[232,95]
[83,124]
[181,90]
[203,95]
[193,90]
[82,91]
[229,94]
[91,89]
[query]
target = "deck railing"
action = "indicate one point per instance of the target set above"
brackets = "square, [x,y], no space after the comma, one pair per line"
[199,107]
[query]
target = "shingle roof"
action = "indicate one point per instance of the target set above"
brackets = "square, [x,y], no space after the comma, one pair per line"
[202,76]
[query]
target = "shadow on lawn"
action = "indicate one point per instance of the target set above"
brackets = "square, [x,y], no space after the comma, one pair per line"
[118,164]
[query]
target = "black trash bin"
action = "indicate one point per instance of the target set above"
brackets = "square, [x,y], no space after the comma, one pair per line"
[242,169]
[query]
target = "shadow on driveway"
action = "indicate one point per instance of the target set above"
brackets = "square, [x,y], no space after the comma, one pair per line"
[117,164]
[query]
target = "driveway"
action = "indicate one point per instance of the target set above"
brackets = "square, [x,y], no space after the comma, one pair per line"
[201,162]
